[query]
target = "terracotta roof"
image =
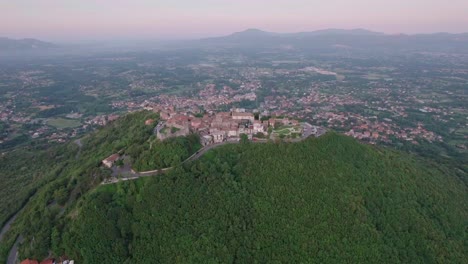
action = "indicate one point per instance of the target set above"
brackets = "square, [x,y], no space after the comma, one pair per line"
[241,114]
[47,261]
[29,261]
[149,121]
[113,157]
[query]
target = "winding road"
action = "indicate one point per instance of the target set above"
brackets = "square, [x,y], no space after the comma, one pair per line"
[195,156]
[7,225]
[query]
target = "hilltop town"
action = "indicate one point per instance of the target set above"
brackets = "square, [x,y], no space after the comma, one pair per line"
[377,105]
[229,126]
[211,130]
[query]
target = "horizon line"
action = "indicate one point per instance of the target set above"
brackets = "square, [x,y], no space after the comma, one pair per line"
[107,39]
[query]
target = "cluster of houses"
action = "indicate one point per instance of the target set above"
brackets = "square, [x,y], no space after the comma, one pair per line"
[212,128]
[102,120]
[218,127]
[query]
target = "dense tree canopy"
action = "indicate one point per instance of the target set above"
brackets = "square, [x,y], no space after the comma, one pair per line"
[163,154]
[55,178]
[326,200]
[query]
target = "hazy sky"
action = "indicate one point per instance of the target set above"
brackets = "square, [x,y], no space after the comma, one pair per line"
[69,20]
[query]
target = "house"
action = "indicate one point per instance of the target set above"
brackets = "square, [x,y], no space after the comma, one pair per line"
[149,122]
[218,136]
[258,127]
[48,261]
[164,115]
[272,122]
[29,261]
[375,135]
[244,130]
[243,116]
[223,115]
[232,133]
[196,123]
[109,161]
[111,118]
[239,110]
[206,140]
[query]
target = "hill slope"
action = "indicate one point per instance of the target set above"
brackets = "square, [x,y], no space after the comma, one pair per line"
[326,200]
[53,188]
[7,44]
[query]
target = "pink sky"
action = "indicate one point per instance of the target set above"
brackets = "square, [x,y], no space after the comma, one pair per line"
[69,20]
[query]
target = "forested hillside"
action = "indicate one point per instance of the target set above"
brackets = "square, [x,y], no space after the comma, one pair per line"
[55,178]
[168,153]
[326,200]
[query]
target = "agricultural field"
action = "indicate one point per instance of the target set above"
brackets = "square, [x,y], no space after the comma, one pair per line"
[61,123]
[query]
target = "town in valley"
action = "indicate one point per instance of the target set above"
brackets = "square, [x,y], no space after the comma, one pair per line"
[414,101]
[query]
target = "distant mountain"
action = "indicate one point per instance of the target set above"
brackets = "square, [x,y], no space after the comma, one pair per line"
[256,33]
[355,39]
[246,35]
[334,31]
[7,44]
[252,32]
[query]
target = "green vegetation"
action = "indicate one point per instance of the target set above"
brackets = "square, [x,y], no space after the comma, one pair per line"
[15,141]
[287,131]
[162,154]
[57,177]
[3,129]
[55,111]
[326,200]
[21,172]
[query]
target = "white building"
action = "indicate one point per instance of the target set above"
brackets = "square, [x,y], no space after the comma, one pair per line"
[243,116]
[258,127]
[206,140]
[218,136]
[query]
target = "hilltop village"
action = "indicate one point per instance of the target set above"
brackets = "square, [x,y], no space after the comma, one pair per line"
[212,129]
[229,126]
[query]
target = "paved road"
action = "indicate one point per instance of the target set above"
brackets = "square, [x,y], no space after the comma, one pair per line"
[13,255]
[80,145]
[14,250]
[7,226]
[202,151]
[158,127]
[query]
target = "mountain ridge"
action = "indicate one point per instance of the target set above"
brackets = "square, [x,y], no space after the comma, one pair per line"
[329,31]
[325,41]
[255,32]
[24,44]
